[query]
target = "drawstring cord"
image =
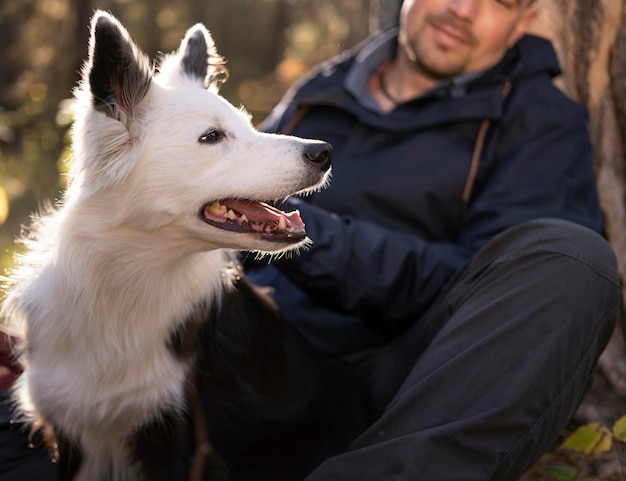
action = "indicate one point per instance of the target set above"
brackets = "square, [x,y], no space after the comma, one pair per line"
[295,120]
[478,148]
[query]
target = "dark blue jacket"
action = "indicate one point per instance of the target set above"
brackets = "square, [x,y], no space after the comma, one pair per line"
[406,207]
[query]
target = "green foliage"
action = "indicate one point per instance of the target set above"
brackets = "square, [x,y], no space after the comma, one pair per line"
[619,429]
[558,473]
[589,439]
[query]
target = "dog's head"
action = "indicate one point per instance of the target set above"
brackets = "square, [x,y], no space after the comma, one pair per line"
[168,154]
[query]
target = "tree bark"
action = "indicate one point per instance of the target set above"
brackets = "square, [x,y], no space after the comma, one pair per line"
[590,39]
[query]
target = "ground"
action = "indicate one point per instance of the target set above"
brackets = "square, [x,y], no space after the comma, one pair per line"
[602,404]
[610,466]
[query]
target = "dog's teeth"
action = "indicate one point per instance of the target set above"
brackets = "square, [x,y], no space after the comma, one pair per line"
[231,214]
[282,225]
[243,219]
[218,208]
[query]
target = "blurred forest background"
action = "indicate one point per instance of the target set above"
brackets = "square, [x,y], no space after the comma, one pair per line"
[267,43]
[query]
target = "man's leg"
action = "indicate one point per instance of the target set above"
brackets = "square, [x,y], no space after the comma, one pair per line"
[508,355]
[18,460]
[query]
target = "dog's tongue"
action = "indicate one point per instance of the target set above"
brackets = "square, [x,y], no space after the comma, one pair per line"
[258,215]
[261,212]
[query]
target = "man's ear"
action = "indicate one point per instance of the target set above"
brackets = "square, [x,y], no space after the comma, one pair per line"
[195,63]
[527,17]
[117,72]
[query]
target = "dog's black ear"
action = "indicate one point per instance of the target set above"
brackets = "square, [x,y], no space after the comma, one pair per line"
[117,72]
[196,62]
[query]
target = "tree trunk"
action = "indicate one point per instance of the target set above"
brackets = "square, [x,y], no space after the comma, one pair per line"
[590,39]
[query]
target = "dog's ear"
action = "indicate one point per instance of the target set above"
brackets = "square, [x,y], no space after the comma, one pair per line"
[196,63]
[117,72]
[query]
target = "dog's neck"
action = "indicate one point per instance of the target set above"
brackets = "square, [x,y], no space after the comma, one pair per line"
[102,301]
[121,287]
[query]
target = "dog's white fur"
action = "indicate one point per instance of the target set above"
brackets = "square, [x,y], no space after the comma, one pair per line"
[109,273]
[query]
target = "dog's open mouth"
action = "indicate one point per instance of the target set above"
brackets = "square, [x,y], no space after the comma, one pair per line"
[250,216]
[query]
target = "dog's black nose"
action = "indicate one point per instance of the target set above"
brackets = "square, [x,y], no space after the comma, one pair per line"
[319,153]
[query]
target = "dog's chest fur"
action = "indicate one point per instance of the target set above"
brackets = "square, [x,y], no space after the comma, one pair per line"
[108,385]
[110,411]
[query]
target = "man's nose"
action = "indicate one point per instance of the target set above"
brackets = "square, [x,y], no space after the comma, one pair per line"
[465,9]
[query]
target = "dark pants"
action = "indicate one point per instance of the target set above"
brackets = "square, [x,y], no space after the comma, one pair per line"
[18,460]
[482,385]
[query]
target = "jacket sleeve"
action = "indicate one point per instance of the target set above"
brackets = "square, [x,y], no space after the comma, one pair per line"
[358,267]
[542,168]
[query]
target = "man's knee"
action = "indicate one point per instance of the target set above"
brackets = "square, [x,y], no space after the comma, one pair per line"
[554,236]
[555,270]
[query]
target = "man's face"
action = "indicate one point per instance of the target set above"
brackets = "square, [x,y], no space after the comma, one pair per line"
[445,38]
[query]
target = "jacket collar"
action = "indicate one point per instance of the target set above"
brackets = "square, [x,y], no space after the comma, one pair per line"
[342,83]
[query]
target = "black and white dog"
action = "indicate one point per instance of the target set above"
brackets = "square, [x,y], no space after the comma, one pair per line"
[143,342]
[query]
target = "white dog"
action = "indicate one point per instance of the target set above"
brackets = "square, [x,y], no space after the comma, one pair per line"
[119,280]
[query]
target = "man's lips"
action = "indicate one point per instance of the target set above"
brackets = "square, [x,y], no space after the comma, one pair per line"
[449,33]
[450,36]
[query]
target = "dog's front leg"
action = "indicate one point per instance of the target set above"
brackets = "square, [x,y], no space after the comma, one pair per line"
[69,460]
[161,449]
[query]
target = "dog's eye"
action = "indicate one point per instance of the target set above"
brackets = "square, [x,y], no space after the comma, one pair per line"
[212,136]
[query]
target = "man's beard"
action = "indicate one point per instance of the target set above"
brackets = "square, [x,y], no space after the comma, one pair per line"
[421,59]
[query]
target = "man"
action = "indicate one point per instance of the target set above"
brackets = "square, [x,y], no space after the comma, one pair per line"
[454,259]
